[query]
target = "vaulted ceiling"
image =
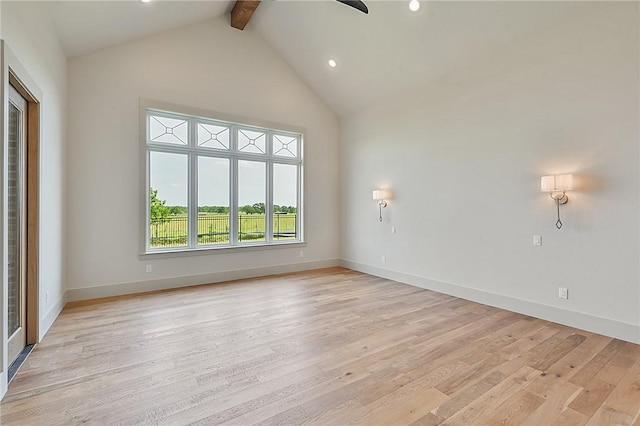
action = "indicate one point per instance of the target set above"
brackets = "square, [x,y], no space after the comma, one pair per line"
[391,49]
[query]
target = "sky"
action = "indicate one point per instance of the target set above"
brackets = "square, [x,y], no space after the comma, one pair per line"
[169,177]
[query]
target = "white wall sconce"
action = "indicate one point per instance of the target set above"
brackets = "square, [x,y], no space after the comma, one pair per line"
[556,186]
[381,196]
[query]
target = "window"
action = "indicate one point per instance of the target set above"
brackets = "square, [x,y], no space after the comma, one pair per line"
[213,183]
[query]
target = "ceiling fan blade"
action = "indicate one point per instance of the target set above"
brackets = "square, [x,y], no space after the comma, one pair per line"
[356,4]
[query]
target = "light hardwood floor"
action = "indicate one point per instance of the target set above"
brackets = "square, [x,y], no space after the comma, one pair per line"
[326,347]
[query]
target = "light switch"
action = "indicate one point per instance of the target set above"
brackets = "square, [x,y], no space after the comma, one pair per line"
[537,240]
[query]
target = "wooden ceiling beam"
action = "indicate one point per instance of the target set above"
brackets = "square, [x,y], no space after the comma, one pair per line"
[242,13]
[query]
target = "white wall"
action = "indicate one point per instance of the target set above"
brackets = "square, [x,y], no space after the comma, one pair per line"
[210,66]
[29,34]
[464,157]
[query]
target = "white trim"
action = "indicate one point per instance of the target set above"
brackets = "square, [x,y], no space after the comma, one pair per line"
[268,200]
[52,314]
[287,244]
[233,199]
[4,378]
[194,151]
[120,289]
[606,326]
[4,99]
[10,62]
[146,103]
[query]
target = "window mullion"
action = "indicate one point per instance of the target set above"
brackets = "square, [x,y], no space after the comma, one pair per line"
[268,210]
[192,207]
[299,207]
[147,197]
[233,190]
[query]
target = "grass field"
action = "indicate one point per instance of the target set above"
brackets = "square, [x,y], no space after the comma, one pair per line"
[214,229]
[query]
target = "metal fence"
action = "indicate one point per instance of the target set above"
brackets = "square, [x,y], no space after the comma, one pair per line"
[214,229]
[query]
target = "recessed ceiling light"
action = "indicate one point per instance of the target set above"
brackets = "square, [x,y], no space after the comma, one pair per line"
[414,5]
[332,63]
[145,1]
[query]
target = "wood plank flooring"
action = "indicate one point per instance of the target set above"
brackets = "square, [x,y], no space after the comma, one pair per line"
[325,347]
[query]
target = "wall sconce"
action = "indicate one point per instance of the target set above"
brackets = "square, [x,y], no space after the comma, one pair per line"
[557,186]
[381,195]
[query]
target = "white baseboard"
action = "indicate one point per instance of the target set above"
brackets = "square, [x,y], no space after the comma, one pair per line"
[47,321]
[120,289]
[3,382]
[605,326]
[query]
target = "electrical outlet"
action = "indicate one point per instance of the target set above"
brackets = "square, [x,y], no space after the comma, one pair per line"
[149,268]
[46,297]
[393,229]
[384,259]
[537,240]
[301,253]
[563,293]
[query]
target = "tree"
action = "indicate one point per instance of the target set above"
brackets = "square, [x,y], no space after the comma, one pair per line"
[248,209]
[158,212]
[212,209]
[259,208]
[176,210]
[284,209]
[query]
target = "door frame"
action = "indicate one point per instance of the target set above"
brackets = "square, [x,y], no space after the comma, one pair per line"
[12,72]
[32,195]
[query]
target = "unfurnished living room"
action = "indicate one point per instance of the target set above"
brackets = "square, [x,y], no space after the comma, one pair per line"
[320,212]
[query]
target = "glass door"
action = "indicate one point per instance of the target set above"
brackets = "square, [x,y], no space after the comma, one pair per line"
[17,220]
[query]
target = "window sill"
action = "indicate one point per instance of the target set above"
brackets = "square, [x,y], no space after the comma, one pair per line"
[181,252]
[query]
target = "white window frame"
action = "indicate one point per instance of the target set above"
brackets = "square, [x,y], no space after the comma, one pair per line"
[193,152]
